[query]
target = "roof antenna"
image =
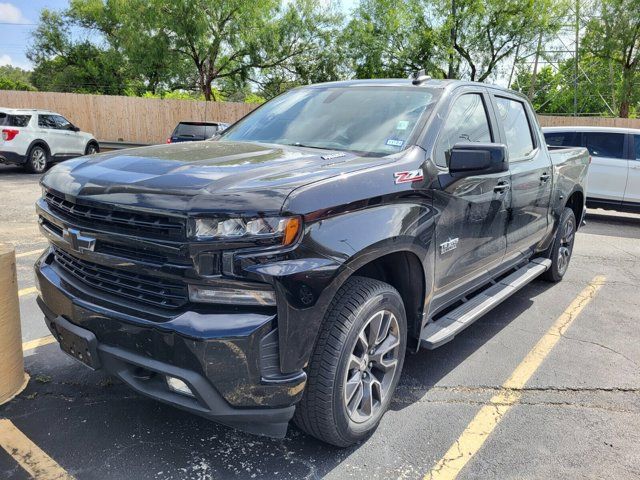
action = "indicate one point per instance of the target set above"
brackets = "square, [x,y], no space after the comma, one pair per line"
[418,77]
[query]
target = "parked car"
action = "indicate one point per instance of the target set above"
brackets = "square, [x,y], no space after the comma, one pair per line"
[283,270]
[38,138]
[196,131]
[614,178]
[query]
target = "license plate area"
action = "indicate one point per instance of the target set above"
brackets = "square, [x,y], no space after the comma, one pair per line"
[77,342]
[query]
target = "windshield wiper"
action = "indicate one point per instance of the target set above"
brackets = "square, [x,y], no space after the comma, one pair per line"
[298,144]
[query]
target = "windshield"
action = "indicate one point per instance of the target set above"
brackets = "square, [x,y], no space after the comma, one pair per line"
[367,120]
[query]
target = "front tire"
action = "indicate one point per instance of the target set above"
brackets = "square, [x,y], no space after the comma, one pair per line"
[92,148]
[562,248]
[356,363]
[37,159]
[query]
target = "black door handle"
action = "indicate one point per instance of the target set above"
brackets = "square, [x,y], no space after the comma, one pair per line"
[545,176]
[501,187]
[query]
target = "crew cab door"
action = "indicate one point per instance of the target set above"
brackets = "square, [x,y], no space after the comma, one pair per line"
[472,211]
[531,175]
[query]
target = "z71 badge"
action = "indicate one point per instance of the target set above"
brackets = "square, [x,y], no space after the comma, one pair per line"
[409,176]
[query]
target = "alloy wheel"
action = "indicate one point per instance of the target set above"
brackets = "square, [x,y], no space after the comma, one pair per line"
[372,366]
[38,159]
[566,245]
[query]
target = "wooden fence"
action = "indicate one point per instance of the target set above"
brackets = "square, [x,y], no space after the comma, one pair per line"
[557,121]
[125,119]
[150,120]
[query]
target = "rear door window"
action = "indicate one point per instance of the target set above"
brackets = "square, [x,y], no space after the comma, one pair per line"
[467,122]
[636,139]
[513,116]
[563,139]
[601,144]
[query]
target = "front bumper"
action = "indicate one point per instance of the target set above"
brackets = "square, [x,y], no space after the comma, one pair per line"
[225,358]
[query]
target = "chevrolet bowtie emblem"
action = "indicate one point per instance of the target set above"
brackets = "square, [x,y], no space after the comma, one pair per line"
[77,241]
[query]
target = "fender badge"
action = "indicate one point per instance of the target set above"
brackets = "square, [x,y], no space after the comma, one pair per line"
[409,176]
[449,245]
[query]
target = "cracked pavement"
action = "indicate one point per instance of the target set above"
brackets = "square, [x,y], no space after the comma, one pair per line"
[577,417]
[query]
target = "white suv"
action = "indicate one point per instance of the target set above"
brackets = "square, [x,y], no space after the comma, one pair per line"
[37,138]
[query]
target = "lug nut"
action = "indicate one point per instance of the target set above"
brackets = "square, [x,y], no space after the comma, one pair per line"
[370,364]
[372,351]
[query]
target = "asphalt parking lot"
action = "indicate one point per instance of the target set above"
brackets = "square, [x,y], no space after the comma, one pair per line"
[577,416]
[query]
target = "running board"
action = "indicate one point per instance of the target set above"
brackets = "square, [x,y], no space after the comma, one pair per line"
[444,329]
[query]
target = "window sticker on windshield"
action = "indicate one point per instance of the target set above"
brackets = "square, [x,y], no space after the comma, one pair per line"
[402,125]
[395,143]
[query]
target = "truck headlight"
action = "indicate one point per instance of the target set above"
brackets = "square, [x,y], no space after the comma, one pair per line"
[231,296]
[277,228]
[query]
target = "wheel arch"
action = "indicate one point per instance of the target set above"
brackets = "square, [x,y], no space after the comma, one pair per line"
[404,271]
[576,202]
[39,142]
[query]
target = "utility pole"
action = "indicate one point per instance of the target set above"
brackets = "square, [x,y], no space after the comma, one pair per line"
[453,38]
[575,73]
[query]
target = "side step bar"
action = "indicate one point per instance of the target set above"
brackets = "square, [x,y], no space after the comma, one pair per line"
[444,329]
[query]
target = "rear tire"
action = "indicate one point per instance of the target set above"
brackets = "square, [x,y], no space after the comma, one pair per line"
[562,248]
[356,363]
[37,159]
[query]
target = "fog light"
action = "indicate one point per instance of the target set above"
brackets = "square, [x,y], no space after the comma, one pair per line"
[178,386]
[231,296]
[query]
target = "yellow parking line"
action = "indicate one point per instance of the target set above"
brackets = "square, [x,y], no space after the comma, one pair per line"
[27,291]
[38,342]
[28,455]
[28,254]
[486,420]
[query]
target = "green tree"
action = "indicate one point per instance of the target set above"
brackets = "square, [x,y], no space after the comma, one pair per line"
[14,78]
[390,38]
[62,64]
[480,35]
[614,36]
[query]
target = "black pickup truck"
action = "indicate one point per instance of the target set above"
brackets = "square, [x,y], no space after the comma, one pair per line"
[283,269]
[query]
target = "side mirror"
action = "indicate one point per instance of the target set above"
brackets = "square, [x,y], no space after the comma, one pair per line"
[73,128]
[470,159]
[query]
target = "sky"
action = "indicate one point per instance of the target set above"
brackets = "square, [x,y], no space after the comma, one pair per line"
[18,19]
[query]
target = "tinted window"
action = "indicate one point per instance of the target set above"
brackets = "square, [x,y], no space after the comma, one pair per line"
[14,120]
[602,144]
[563,139]
[368,120]
[195,130]
[61,122]
[467,122]
[637,142]
[46,121]
[514,120]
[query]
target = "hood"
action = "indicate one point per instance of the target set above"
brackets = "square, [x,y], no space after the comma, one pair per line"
[201,176]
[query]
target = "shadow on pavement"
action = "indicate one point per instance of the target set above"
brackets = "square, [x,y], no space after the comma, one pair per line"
[613,224]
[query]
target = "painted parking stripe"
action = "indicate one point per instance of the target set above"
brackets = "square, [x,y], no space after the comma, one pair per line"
[489,416]
[28,455]
[38,342]
[29,254]
[27,291]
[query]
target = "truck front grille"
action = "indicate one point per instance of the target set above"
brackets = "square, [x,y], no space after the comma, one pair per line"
[142,288]
[137,223]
